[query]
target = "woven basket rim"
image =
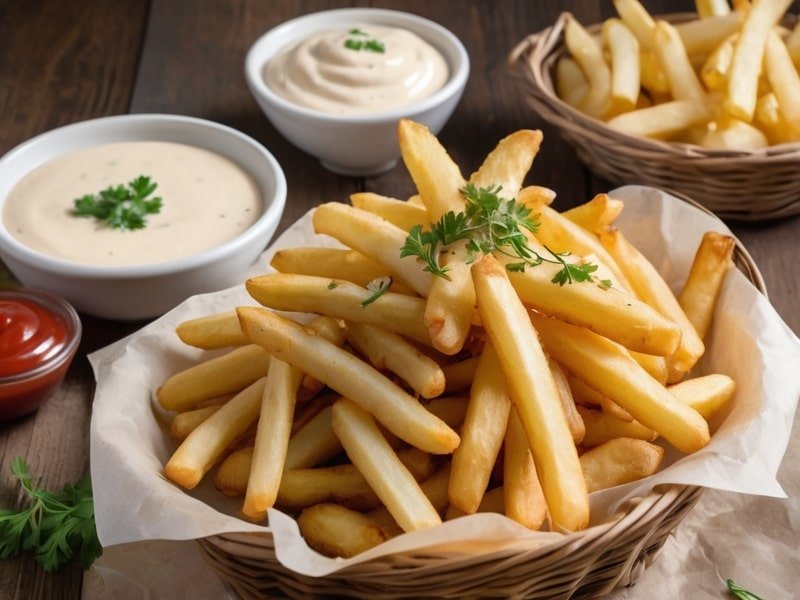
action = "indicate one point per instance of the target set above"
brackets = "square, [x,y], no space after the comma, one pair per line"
[537,50]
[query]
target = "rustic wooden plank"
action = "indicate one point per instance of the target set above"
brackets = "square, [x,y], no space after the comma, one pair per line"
[60,63]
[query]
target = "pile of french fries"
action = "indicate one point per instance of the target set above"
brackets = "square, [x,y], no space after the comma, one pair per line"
[728,80]
[438,397]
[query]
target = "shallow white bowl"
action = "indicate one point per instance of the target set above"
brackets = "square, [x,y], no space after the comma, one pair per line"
[140,292]
[347,144]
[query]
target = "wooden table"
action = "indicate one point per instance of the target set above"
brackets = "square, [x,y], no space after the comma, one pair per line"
[64,62]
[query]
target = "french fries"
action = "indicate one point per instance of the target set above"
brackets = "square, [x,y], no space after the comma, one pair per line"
[552,356]
[588,54]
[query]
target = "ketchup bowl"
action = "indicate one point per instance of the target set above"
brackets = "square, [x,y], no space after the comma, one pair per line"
[39,335]
[354,144]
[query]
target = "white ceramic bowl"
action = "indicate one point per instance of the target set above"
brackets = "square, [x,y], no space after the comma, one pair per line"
[354,145]
[140,292]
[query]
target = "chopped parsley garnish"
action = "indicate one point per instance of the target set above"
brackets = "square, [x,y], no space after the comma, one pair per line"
[371,45]
[739,592]
[121,206]
[379,287]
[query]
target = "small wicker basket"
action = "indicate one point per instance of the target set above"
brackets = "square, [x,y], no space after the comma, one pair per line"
[587,564]
[753,185]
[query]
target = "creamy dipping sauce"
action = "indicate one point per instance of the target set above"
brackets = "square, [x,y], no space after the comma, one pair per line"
[207,200]
[324,74]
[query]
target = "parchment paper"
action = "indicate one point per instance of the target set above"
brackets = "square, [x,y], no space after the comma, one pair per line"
[749,342]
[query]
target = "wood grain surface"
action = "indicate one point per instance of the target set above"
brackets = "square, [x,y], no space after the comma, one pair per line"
[64,62]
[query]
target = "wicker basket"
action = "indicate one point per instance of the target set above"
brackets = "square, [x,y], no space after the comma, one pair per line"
[753,185]
[587,564]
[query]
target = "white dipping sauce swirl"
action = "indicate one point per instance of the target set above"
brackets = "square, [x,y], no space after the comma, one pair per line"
[323,74]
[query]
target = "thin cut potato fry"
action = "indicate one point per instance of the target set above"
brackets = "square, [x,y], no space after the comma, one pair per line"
[793,45]
[334,530]
[702,36]
[341,300]
[509,162]
[714,71]
[597,214]
[534,394]
[374,237]
[602,427]
[571,84]
[638,20]
[450,409]
[661,121]
[225,374]
[620,461]
[701,290]
[574,421]
[186,422]
[650,287]
[451,303]
[652,77]
[387,350]
[767,112]
[712,8]
[608,368]
[589,55]
[397,212]
[459,375]
[625,68]
[204,446]
[655,365]
[493,501]
[233,472]
[748,55]
[610,312]
[434,488]
[482,433]
[314,443]
[583,394]
[707,394]
[379,465]
[209,333]
[783,79]
[613,409]
[523,497]
[674,61]
[395,409]
[532,195]
[435,175]
[732,134]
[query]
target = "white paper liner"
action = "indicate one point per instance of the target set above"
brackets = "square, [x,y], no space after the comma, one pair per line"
[749,342]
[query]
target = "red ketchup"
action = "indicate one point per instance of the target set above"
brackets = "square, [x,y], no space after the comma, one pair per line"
[38,338]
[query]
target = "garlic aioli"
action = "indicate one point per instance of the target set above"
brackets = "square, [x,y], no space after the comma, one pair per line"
[207,200]
[324,74]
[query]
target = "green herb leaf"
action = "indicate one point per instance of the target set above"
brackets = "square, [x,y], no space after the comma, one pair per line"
[371,45]
[333,285]
[121,206]
[423,245]
[740,593]
[379,286]
[54,526]
[357,31]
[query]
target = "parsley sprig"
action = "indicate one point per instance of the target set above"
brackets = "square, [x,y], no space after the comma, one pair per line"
[739,592]
[489,224]
[121,206]
[54,526]
[379,287]
[372,45]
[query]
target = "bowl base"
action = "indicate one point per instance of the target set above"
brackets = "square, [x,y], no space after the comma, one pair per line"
[359,171]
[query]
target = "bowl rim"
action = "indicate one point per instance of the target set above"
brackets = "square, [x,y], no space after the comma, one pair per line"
[272,207]
[457,78]
[56,305]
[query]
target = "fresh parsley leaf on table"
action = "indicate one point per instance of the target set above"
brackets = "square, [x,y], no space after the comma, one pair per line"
[739,592]
[121,206]
[54,526]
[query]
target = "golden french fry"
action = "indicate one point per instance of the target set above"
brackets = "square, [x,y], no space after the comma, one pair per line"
[534,394]
[334,530]
[767,112]
[233,472]
[379,465]
[655,365]
[374,237]
[661,121]
[748,55]
[638,20]
[225,374]
[712,8]
[451,302]
[597,214]
[341,300]
[509,162]
[387,350]
[707,394]
[602,427]
[674,61]
[714,71]
[609,312]
[571,84]
[583,394]
[395,409]
[459,375]
[620,461]
[702,36]
[613,409]
[608,368]
[434,488]
[783,78]
[314,443]
[652,77]
[701,290]
[397,212]
[523,497]
[451,409]
[435,175]
[204,446]
[793,44]
[534,195]
[492,501]
[625,68]
[732,134]
[186,422]
[589,55]
[482,433]
[650,287]
[210,333]
[574,421]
